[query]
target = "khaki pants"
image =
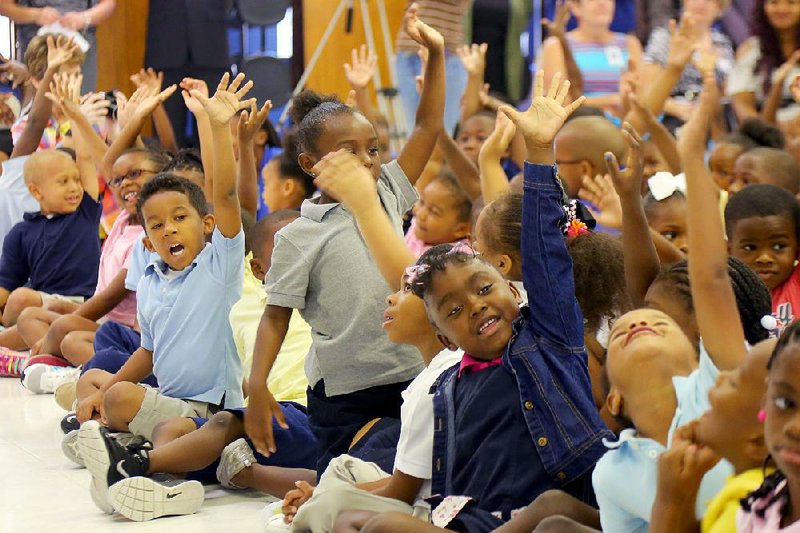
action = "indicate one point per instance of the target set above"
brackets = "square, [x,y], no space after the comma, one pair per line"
[157,408]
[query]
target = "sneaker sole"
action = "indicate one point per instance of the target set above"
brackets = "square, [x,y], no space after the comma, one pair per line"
[141,499]
[100,497]
[32,378]
[69,446]
[92,450]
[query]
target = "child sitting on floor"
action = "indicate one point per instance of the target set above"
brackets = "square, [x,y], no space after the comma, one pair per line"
[762,224]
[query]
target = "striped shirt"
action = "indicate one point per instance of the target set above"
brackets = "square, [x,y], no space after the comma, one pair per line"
[601,64]
[445,16]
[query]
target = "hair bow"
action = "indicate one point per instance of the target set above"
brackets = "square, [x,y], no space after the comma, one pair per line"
[414,272]
[663,185]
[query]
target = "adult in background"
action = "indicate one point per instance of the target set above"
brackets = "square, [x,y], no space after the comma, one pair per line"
[82,16]
[448,18]
[766,64]
[187,38]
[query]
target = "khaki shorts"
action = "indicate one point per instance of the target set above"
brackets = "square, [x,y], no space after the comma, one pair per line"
[47,297]
[157,408]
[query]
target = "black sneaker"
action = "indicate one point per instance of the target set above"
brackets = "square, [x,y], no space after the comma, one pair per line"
[70,423]
[106,459]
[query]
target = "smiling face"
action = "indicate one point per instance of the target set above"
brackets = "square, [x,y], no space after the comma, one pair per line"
[646,349]
[437,216]
[175,230]
[782,406]
[669,219]
[129,173]
[405,319]
[768,245]
[473,133]
[54,181]
[721,162]
[473,307]
[352,132]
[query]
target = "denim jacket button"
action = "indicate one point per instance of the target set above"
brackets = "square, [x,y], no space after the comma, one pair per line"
[561,475]
[542,441]
[528,406]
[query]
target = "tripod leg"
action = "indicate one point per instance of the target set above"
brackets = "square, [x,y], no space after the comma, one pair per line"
[399,118]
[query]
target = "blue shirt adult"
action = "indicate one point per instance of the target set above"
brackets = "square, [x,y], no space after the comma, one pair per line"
[183,316]
[546,377]
[56,254]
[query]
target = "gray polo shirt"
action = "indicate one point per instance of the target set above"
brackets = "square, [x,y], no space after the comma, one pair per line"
[321,266]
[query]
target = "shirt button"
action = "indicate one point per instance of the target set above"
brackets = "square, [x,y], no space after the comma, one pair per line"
[528,405]
[542,441]
[561,475]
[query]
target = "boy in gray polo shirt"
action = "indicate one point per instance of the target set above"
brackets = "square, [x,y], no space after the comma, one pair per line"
[321,266]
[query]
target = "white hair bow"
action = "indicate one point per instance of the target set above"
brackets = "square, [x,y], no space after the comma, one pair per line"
[663,185]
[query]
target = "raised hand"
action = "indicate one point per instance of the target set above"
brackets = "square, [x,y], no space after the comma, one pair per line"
[362,69]
[13,71]
[628,182]
[60,50]
[498,142]
[473,57]
[95,106]
[65,92]
[422,34]
[227,100]
[558,26]
[693,135]
[150,79]
[547,113]
[151,101]
[192,103]
[73,20]
[682,43]
[250,121]
[600,192]
[344,178]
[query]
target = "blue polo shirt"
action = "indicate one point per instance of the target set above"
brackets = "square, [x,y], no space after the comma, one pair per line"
[56,254]
[184,320]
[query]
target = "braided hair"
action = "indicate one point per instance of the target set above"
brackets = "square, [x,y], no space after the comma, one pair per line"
[310,112]
[773,489]
[753,298]
[437,259]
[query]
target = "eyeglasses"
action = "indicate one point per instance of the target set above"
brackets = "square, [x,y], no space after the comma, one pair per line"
[134,174]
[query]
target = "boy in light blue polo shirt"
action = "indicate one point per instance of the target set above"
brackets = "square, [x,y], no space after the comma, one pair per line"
[184,295]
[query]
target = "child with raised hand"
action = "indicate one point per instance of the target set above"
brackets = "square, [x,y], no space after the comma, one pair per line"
[668,388]
[774,505]
[481,405]
[494,182]
[354,373]
[174,213]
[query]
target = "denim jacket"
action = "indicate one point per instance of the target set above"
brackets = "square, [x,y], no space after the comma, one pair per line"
[545,354]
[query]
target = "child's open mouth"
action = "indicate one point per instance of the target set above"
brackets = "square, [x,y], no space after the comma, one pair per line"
[488,326]
[176,250]
[387,318]
[130,196]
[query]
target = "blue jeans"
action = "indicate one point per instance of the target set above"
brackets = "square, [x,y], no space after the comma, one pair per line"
[408,68]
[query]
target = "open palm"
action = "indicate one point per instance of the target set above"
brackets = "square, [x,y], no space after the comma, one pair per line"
[227,101]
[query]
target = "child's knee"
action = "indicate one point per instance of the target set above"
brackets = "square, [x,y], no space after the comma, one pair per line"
[389,523]
[227,423]
[121,403]
[19,300]
[557,524]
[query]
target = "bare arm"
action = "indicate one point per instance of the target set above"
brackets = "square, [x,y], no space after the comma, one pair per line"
[138,366]
[474,60]
[166,135]
[203,128]
[464,169]
[249,124]
[28,15]
[714,301]
[104,301]
[430,113]
[400,487]
[494,182]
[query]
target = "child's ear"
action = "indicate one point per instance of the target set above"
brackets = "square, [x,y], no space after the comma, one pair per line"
[208,224]
[307,162]
[258,270]
[587,169]
[289,187]
[148,244]
[447,343]
[34,190]
[614,402]
[515,292]
[504,265]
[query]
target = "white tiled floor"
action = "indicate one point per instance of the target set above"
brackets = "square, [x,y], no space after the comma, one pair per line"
[41,490]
